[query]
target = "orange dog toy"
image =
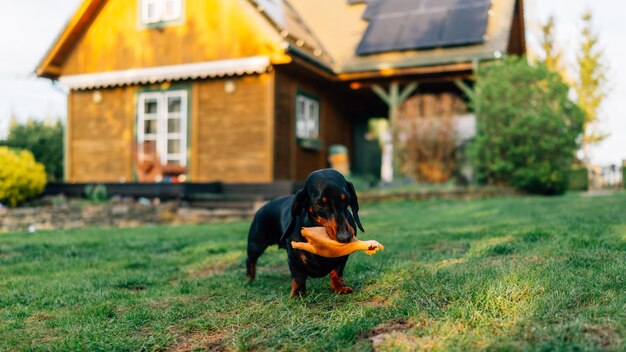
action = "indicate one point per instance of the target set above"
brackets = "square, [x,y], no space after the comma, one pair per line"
[319,243]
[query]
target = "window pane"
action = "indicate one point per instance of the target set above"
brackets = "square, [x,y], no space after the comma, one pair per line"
[173,125]
[150,11]
[301,112]
[173,146]
[301,129]
[174,161]
[307,117]
[314,120]
[173,104]
[150,106]
[172,10]
[150,126]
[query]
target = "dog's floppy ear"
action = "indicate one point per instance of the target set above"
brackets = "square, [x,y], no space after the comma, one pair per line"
[299,200]
[354,205]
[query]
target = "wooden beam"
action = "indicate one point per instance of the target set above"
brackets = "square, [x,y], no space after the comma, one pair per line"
[394,98]
[465,88]
[522,29]
[79,21]
[471,94]
[465,66]
[67,139]
[314,68]
[407,91]
[382,94]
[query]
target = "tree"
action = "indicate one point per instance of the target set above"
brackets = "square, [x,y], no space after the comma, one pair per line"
[44,141]
[552,55]
[527,127]
[591,83]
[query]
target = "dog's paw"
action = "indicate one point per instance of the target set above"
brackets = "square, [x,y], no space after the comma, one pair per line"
[343,290]
[297,294]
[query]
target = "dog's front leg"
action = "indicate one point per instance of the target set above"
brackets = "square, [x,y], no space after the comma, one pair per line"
[336,279]
[336,282]
[298,287]
[298,278]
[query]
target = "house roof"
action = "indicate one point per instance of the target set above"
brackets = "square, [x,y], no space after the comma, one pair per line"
[339,25]
[50,65]
[326,33]
[209,69]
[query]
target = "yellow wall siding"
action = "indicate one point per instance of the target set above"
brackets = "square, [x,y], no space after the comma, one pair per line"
[232,137]
[100,135]
[211,30]
[230,134]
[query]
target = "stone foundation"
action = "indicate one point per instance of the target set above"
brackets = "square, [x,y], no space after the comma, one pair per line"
[134,214]
[130,213]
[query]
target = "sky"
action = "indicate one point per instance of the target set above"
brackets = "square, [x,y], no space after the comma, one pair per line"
[29,27]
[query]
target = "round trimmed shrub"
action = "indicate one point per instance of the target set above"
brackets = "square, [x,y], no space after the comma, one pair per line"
[21,177]
[528,130]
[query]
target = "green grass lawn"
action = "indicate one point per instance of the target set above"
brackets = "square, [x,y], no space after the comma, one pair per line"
[521,273]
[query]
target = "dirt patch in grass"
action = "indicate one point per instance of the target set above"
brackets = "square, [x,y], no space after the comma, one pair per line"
[391,331]
[379,301]
[535,259]
[449,262]
[199,340]
[209,270]
[6,255]
[40,317]
[603,335]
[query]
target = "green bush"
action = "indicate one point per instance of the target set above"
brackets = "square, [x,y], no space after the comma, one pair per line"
[527,128]
[96,193]
[21,177]
[44,141]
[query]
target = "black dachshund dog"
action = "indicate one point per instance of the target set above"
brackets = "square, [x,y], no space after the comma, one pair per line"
[323,201]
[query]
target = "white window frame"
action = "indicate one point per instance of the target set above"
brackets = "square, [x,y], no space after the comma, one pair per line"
[307,117]
[162,115]
[161,13]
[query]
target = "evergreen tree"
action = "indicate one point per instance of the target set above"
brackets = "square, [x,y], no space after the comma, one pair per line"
[552,55]
[591,83]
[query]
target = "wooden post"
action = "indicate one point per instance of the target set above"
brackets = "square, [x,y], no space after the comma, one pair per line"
[67,138]
[394,98]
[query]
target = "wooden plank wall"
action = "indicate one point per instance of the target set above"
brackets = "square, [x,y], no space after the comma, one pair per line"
[232,133]
[101,135]
[293,162]
[211,30]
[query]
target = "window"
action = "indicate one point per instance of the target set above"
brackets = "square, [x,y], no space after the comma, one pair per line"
[307,117]
[156,11]
[162,118]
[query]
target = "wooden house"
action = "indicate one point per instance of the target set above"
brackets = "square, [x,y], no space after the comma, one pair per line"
[257,90]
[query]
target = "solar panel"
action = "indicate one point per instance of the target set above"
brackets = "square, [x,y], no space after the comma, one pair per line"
[448,4]
[377,8]
[399,6]
[422,30]
[465,25]
[372,9]
[420,24]
[381,35]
